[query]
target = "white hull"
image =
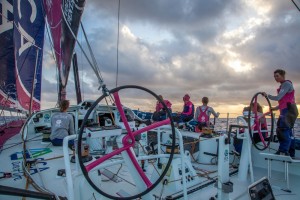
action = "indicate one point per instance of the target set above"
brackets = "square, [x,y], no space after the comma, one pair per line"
[51,159]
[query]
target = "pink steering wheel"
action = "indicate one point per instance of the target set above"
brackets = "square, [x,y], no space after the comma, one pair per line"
[128,142]
[261,131]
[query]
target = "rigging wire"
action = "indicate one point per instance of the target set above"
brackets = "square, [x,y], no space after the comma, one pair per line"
[296,5]
[54,57]
[52,49]
[117,72]
[91,52]
[48,27]
[96,70]
[81,64]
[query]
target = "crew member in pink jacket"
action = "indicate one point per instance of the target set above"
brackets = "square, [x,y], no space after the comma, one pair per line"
[188,110]
[288,113]
[160,112]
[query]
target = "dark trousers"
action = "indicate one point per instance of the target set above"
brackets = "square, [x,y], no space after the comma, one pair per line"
[285,134]
[160,115]
[59,142]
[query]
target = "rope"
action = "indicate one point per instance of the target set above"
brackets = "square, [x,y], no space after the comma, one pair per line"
[96,70]
[116,174]
[27,180]
[31,181]
[117,73]
[53,158]
[53,55]
[296,5]
[53,51]
[152,163]
[194,159]
[165,182]
[48,34]
[81,64]
[91,53]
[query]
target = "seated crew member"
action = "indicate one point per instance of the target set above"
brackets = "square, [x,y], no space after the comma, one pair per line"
[263,125]
[237,143]
[160,112]
[203,113]
[188,111]
[62,125]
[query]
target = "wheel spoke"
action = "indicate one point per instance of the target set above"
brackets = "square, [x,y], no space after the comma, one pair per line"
[97,162]
[263,140]
[152,126]
[138,168]
[122,114]
[131,135]
[121,165]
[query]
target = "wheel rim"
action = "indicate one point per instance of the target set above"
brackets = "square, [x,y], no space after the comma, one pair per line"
[86,168]
[255,128]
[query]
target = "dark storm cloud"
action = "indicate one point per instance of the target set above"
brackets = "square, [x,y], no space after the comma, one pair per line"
[166,12]
[203,18]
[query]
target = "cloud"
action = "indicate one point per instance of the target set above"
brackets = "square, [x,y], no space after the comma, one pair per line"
[226,50]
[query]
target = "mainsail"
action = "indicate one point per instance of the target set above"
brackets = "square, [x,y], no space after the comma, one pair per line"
[8,96]
[29,42]
[63,18]
[22,39]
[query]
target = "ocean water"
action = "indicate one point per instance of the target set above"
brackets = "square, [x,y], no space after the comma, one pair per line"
[221,124]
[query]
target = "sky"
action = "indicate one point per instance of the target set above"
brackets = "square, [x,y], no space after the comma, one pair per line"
[225,50]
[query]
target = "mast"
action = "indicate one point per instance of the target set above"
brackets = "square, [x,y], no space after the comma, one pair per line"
[33,82]
[76,79]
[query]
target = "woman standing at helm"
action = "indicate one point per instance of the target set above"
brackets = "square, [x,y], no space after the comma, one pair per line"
[288,113]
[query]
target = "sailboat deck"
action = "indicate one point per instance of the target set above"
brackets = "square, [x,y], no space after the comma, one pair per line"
[51,161]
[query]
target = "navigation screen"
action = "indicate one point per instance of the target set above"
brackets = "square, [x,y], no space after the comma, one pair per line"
[261,190]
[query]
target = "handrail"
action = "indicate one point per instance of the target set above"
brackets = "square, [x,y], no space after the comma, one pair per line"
[182,155]
[68,166]
[182,163]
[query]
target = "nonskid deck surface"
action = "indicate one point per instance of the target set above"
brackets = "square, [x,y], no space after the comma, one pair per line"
[240,188]
[50,158]
[52,161]
[44,172]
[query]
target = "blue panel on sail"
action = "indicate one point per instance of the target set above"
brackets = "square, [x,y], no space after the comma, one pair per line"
[29,41]
[7,62]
